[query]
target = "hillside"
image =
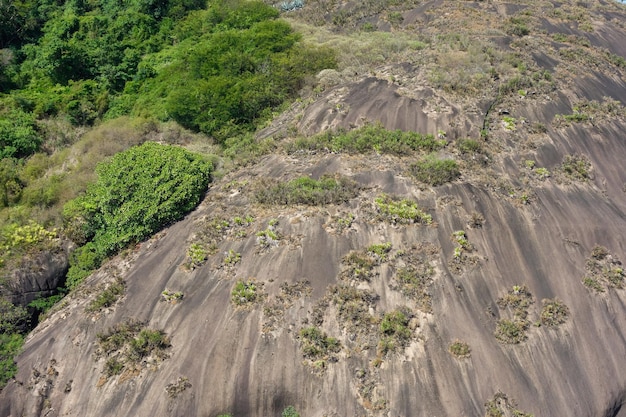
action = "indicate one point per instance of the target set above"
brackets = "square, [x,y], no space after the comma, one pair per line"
[342,266]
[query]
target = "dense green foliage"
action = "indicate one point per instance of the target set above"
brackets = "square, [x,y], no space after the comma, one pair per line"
[10,346]
[219,67]
[138,192]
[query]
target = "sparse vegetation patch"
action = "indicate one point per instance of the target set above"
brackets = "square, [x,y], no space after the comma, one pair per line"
[371,137]
[308,191]
[460,349]
[434,171]
[603,270]
[247,293]
[127,344]
[108,296]
[394,331]
[517,301]
[400,211]
[553,313]
[318,347]
[576,167]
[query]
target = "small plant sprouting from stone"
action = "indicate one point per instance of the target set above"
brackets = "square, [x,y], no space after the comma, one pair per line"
[287,6]
[529,164]
[344,223]
[553,313]
[232,257]
[246,293]
[243,221]
[197,255]
[381,250]
[463,245]
[290,411]
[269,237]
[175,388]
[476,220]
[508,123]
[542,173]
[460,349]
[171,296]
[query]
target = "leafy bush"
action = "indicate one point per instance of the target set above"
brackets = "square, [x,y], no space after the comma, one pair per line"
[138,192]
[511,331]
[305,190]
[290,411]
[18,134]
[435,171]
[10,346]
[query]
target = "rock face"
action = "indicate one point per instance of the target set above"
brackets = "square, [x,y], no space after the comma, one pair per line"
[513,299]
[38,275]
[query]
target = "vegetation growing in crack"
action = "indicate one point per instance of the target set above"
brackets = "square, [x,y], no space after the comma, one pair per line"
[576,168]
[501,406]
[308,191]
[171,296]
[274,310]
[174,389]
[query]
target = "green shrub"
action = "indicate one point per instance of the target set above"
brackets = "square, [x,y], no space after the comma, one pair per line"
[18,134]
[245,293]
[576,167]
[305,190]
[435,171]
[468,146]
[511,331]
[400,211]
[290,411]
[460,349]
[394,331]
[13,319]
[10,347]
[316,345]
[553,313]
[138,192]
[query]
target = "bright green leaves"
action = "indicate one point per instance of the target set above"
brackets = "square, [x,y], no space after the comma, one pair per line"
[138,192]
[18,134]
